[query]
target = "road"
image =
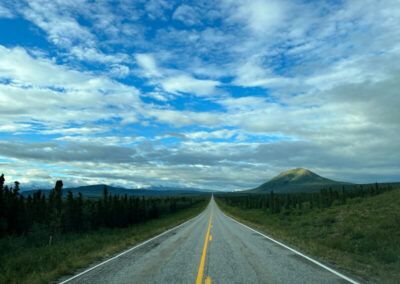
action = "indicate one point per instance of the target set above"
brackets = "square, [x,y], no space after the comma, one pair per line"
[211,248]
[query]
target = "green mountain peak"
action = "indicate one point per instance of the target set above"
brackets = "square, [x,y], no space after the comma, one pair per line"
[297,180]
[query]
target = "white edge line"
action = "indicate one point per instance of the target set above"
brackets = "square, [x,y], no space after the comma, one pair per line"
[296,252]
[130,249]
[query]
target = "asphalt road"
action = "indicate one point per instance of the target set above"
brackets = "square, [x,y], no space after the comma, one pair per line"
[211,248]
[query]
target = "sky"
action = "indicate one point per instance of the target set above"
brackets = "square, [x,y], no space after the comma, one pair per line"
[209,94]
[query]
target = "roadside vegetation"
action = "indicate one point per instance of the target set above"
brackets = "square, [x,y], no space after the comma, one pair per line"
[358,231]
[43,238]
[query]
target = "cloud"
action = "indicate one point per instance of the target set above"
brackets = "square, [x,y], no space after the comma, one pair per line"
[156,8]
[73,130]
[102,140]
[185,118]
[251,74]
[171,81]
[92,54]
[5,12]
[22,69]
[51,95]
[188,84]
[186,14]
[260,16]
[55,18]
[217,134]
[52,152]
[119,71]
[148,65]
[14,127]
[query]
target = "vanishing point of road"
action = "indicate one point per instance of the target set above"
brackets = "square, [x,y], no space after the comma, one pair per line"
[210,248]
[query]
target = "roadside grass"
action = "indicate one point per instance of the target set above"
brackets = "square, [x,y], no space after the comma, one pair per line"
[23,262]
[361,236]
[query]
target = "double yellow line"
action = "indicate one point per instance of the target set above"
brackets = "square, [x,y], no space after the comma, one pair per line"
[199,279]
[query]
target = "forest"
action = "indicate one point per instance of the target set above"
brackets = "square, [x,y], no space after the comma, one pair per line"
[287,203]
[52,215]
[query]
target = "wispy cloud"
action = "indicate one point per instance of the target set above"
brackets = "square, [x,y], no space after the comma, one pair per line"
[5,12]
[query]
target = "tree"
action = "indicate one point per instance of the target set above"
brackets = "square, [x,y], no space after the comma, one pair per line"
[2,180]
[16,188]
[55,200]
[3,221]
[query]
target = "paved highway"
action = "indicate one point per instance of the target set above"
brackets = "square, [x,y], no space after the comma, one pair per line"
[211,248]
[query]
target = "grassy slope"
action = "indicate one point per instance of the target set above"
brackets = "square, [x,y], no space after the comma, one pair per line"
[362,236]
[22,263]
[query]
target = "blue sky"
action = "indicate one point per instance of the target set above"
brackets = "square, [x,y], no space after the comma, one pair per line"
[212,94]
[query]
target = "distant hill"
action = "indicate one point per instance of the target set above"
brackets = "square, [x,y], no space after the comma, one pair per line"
[96,191]
[297,180]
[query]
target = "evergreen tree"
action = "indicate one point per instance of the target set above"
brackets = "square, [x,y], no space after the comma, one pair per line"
[2,180]
[3,221]
[16,187]
[56,207]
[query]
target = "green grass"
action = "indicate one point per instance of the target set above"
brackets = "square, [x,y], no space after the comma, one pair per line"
[362,236]
[22,262]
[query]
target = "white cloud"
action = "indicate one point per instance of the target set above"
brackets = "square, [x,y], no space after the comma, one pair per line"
[159,96]
[14,127]
[51,94]
[185,118]
[251,74]
[148,65]
[188,84]
[55,19]
[156,8]
[217,134]
[5,12]
[173,81]
[76,130]
[261,15]
[119,71]
[93,55]
[101,140]
[186,14]
[17,65]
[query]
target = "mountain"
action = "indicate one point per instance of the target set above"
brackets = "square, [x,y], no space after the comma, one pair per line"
[297,180]
[96,191]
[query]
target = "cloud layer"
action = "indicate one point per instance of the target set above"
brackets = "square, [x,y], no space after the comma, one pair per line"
[219,95]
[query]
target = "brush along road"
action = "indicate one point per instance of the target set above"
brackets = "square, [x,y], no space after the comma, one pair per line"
[211,248]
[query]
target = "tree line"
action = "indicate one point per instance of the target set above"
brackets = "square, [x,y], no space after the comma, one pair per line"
[278,203]
[54,215]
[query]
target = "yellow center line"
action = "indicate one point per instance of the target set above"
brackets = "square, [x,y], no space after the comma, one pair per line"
[199,279]
[208,280]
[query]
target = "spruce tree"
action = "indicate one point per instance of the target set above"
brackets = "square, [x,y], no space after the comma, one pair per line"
[56,207]
[3,222]
[2,180]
